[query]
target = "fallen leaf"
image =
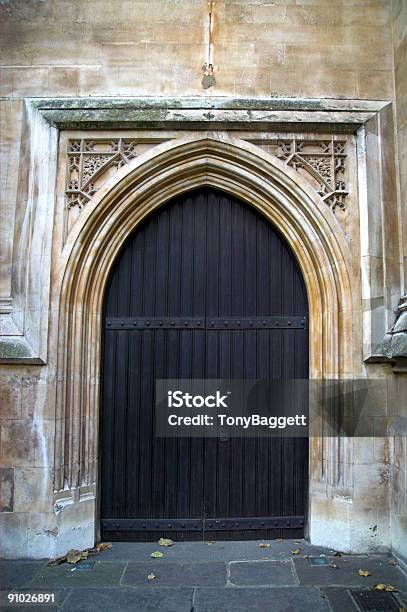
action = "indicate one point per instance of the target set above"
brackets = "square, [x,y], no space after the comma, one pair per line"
[402,609]
[364,573]
[388,588]
[151,576]
[157,554]
[297,541]
[210,543]
[264,545]
[57,561]
[337,554]
[296,551]
[73,556]
[392,562]
[165,542]
[84,554]
[102,546]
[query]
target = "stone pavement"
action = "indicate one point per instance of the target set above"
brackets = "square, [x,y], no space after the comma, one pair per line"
[218,577]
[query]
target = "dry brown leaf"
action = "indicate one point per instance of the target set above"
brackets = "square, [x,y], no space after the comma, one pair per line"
[364,573]
[392,562]
[73,556]
[264,545]
[165,542]
[151,576]
[84,554]
[157,554]
[388,588]
[103,546]
[210,543]
[296,551]
[402,609]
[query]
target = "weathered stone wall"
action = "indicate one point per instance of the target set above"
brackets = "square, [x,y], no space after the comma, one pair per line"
[399,460]
[312,48]
[54,48]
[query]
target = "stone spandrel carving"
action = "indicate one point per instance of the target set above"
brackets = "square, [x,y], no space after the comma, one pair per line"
[325,160]
[89,160]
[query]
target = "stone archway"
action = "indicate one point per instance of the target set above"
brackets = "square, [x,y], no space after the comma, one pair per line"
[165,171]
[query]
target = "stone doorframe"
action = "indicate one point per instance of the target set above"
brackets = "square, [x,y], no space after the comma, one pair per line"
[69,308]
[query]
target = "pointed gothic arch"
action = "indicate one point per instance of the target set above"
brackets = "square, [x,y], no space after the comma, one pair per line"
[162,173]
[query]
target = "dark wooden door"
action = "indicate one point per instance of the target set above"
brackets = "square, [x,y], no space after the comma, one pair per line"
[205,257]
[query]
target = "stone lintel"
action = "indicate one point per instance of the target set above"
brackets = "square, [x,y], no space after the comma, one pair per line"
[199,113]
[214,102]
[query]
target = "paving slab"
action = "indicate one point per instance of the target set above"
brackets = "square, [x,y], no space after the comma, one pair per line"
[126,599]
[260,599]
[369,599]
[103,574]
[347,573]
[18,573]
[339,599]
[175,574]
[269,573]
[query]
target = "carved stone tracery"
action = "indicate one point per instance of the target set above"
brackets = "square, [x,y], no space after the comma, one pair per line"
[88,159]
[325,160]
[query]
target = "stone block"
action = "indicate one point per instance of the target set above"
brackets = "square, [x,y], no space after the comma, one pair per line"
[10,396]
[33,490]
[38,396]
[13,534]
[30,81]
[340,56]
[63,81]
[17,442]
[6,489]
[375,84]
